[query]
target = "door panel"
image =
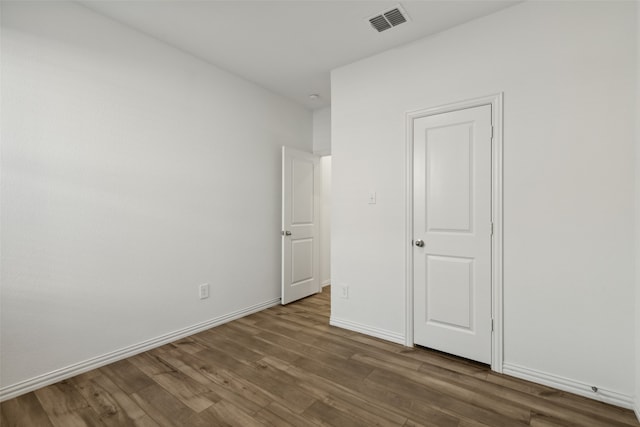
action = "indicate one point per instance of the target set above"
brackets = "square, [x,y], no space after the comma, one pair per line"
[449,291]
[301,260]
[302,183]
[448,186]
[452,215]
[300,216]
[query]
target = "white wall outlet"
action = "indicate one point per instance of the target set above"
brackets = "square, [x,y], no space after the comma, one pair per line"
[204,291]
[344,292]
[372,197]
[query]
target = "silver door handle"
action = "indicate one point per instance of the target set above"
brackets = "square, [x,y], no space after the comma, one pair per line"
[419,243]
[286,233]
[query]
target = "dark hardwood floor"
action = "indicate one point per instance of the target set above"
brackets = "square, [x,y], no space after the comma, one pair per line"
[286,366]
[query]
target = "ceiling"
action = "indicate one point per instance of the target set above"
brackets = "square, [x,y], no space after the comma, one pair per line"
[288,47]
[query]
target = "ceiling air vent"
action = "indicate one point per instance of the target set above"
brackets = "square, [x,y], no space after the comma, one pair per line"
[388,19]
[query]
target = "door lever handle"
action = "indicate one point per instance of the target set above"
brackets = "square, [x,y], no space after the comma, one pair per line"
[286,233]
[419,243]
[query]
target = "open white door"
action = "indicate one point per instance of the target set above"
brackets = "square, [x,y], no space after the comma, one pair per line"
[300,224]
[452,232]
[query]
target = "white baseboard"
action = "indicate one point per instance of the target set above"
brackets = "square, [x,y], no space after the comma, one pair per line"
[637,408]
[368,330]
[569,385]
[14,390]
[325,283]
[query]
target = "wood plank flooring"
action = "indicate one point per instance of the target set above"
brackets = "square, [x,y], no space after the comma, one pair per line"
[286,366]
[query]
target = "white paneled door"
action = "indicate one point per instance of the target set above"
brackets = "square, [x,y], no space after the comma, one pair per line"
[452,232]
[300,228]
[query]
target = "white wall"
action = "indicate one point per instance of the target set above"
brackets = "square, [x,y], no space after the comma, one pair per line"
[322,132]
[325,221]
[131,174]
[637,165]
[567,73]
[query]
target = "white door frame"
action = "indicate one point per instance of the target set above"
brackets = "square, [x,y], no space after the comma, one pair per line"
[496,216]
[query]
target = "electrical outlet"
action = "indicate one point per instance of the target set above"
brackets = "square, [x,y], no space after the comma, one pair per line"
[344,292]
[204,291]
[372,197]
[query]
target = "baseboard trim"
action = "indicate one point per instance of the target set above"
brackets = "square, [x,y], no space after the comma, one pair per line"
[367,330]
[14,390]
[637,410]
[325,283]
[569,385]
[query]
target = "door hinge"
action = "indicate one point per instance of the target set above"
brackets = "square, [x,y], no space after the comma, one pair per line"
[492,228]
[491,325]
[491,132]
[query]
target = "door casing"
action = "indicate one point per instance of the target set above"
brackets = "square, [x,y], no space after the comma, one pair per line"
[496,102]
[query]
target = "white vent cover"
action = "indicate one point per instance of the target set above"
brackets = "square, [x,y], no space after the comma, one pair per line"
[388,19]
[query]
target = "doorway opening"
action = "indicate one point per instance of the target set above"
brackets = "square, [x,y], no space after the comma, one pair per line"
[306,224]
[325,221]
